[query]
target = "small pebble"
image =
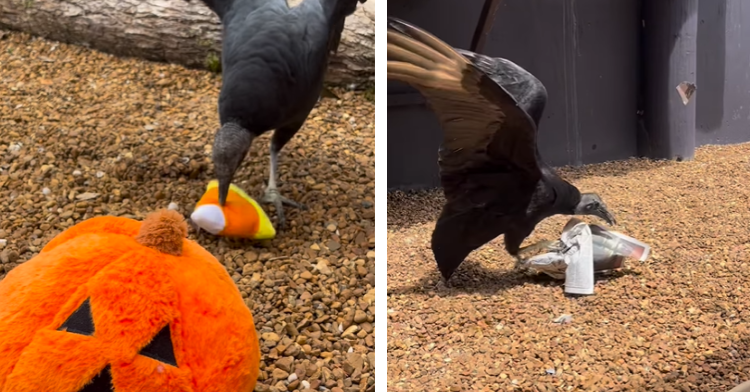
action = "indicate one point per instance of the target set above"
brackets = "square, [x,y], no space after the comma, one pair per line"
[564,319]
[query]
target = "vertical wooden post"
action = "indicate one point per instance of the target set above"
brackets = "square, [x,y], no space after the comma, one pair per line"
[671,29]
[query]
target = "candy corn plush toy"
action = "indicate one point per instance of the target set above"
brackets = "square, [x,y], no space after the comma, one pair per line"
[241,216]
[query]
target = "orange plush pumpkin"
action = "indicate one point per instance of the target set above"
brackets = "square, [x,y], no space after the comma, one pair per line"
[113,304]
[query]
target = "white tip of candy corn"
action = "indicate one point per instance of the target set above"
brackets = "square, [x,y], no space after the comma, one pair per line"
[210,218]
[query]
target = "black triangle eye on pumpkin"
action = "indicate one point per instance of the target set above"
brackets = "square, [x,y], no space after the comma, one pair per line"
[161,348]
[81,321]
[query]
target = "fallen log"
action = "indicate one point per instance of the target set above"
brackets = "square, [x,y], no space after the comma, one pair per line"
[173,31]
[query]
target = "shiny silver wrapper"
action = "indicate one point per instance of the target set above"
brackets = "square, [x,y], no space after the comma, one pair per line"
[610,250]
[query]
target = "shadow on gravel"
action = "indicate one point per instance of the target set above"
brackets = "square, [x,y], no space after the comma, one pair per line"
[720,371]
[473,278]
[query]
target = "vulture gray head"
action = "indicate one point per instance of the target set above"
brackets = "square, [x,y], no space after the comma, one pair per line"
[592,204]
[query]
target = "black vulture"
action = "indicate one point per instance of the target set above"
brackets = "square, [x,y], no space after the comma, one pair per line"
[492,175]
[274,58]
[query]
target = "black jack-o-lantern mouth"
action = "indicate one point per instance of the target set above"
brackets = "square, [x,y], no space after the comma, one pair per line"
[82,322]
[102,382]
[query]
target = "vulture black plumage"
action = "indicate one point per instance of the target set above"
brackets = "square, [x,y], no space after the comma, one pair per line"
[492,175]
[274,59]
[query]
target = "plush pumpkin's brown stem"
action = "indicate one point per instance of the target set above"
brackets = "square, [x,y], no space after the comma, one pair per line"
[164,231]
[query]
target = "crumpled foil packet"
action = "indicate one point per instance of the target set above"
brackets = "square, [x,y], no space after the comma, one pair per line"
[583,250]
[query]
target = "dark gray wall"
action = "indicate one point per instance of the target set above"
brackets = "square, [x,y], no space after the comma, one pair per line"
[588,55]
[723,85]
[591,111]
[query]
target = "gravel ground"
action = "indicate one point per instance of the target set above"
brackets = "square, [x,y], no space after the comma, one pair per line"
[85,134]
[676,322]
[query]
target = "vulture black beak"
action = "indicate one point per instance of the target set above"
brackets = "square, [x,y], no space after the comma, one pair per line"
[602,212]
[230,147]
[223,190]
[592,204]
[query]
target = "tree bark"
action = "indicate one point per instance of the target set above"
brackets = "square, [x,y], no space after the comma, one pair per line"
[172,31]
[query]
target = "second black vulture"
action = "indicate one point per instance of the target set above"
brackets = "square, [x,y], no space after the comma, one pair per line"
[274,58]
[494,180]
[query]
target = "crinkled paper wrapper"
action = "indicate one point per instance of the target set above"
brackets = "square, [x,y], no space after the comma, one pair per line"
[582,241]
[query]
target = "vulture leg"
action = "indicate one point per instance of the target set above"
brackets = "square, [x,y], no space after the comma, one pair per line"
[280,137]
[552,246]
[535,247]
[513,239]
[558,246]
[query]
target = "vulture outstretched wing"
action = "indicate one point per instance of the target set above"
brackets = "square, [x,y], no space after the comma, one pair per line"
[489,163]
[526,89]
[485,129]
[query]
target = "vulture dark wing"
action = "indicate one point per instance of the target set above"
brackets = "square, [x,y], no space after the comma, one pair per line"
[222,8]
[335,39]
[219,7]
[485,129]
[488,159]
[525,88]
[348,8]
